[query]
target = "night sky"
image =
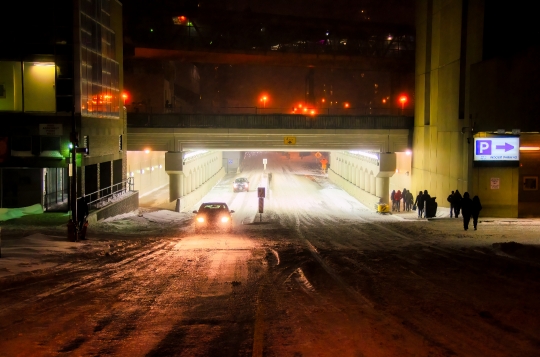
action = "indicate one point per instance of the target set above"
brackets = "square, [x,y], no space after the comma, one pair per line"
[243,85]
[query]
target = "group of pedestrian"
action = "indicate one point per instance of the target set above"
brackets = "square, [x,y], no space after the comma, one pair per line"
[464,205]
[469,208]
[398,196]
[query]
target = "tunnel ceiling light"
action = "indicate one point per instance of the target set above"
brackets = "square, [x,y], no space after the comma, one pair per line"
[366,154]
[194,153]
[529,148]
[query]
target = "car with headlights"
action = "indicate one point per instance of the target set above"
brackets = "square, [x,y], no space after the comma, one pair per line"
[241,184]
[213,216]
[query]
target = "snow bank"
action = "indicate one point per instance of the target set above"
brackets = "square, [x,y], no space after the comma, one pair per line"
[11,213]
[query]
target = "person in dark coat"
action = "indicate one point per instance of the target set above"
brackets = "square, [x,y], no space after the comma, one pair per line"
[426,198]
[451,200]
[404,198]
[410,199]
[466,209]
[419,204]
[82,212]
[476,208]
[392,198]
[457,203]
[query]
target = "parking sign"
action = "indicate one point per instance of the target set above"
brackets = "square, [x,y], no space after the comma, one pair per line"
[496,149]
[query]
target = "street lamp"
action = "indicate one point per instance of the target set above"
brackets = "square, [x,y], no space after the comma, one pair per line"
[263,99]
[403,100]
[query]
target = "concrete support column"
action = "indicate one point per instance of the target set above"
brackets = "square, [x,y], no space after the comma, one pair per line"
[175,186]
[372,185]
[362,184]
[383,189]
[174,167]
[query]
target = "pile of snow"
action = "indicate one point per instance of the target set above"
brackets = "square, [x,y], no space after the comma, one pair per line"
[11,213]
[32,253]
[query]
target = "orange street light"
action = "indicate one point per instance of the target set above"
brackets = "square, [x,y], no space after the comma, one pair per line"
[346,105]
[403,99]
[264,99]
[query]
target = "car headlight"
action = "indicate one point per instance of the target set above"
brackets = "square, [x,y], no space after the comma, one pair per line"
[224,219]
[200,219]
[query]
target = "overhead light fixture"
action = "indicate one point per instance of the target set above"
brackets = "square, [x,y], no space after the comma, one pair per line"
[529,148]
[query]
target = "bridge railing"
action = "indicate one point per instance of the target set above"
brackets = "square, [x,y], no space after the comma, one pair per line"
[269,121]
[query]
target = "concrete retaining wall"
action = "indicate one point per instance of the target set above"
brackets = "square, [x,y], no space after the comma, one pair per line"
[186,203]
[128,203]
[366,198]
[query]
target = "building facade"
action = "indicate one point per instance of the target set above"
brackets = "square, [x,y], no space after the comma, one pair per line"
[60,68]
[477,64]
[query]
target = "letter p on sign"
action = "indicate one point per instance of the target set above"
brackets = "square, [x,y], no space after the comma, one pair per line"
[483,147]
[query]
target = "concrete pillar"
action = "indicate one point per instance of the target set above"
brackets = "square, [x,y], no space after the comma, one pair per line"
[362,180]
[174,167]
[383,189]
[175,186]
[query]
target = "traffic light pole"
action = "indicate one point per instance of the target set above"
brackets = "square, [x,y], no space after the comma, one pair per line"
[74,138]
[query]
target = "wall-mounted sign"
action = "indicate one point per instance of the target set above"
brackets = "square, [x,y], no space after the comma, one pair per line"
[289,140]
[495,183]
[496,149]
[50,129]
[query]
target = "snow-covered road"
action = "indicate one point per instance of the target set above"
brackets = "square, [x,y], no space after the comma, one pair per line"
[318,274]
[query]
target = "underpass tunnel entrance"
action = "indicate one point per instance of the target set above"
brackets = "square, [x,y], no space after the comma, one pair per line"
[177,181]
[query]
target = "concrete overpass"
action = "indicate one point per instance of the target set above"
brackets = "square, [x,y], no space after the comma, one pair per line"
[179,137]
[277,132]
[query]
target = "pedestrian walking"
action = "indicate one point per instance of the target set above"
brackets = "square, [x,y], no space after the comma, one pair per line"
[404,199]
[419,204]
[397,197]
[410,199]
[457,203]
[466,209]
[426,198]
[451,200]
[392,198]
[82,214]
[475,211]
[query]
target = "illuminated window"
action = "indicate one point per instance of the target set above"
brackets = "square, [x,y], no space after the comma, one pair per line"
[39,87]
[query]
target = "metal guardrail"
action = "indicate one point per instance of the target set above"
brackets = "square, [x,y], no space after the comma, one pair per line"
[269,121]
[107,195]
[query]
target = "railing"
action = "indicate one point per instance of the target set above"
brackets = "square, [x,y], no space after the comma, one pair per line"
[108,195]
[269,121]
[208,110]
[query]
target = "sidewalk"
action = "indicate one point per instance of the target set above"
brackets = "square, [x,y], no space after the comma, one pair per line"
[40,241]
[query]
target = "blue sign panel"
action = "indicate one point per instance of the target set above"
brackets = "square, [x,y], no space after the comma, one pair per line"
[496,149]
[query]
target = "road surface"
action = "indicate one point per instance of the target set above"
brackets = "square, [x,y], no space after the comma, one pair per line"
[318,274]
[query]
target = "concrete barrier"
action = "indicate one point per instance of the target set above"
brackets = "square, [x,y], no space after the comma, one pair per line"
[185,203]
[125,204]
[369,200]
